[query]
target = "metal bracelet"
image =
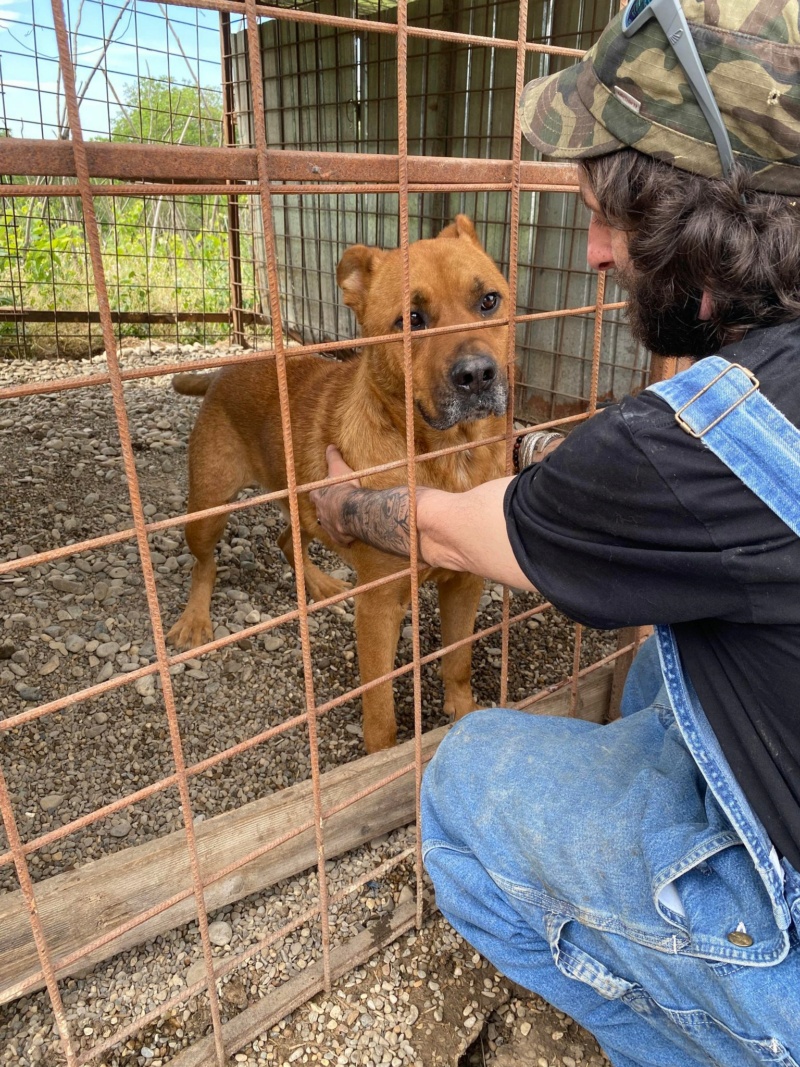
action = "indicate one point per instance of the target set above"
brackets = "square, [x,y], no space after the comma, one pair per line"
[531,447]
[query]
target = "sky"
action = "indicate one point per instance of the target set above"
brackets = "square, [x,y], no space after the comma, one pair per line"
[145,39]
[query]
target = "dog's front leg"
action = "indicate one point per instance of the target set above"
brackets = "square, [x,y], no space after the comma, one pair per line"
[379,614]
[458,605]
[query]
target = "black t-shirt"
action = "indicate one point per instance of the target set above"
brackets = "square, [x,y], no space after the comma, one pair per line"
[632,521]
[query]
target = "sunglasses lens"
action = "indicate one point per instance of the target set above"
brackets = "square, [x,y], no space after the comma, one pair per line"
[634,9]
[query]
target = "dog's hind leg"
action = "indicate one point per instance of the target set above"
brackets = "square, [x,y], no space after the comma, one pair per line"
[458,605]
[319,585]
[216,475]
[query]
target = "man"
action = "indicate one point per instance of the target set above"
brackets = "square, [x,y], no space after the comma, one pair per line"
[643,876]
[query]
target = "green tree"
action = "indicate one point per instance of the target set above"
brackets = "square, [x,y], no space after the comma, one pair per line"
[169,112]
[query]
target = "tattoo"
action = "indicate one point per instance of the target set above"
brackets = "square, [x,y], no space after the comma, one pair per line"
[379,517]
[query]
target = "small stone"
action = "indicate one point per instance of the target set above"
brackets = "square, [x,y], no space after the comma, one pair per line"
[146,686]
[220,933]
[119,828]
[272,643]
[107,649]
[52,665]
[74,643]
[66,585]
[7,651]
[52,801]
[406,895]
[195,972]
[525,1028]
[106,672]
[101,591]
[29,694]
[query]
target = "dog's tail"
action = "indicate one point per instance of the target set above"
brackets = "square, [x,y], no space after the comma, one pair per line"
[191,383]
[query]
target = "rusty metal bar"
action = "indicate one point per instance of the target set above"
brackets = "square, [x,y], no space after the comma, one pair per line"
[187,163]
[256,86]
[78,146]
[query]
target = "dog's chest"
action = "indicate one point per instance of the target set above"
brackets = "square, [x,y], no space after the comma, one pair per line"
[457,472]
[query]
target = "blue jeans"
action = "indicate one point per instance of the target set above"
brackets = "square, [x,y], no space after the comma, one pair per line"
[594,866]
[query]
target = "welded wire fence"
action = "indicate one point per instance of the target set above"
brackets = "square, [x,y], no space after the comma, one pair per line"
[255,218]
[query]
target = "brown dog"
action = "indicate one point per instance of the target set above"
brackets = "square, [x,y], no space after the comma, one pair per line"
[460,396]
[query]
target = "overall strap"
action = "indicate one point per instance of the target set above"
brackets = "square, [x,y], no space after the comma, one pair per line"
[720,404]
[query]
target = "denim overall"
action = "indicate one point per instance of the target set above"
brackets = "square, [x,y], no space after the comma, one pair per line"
[618,871]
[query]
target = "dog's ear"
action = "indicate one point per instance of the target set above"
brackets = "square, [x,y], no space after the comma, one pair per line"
[355,273]
[461,227]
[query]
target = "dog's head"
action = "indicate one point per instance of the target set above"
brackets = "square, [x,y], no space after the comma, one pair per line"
[459,376]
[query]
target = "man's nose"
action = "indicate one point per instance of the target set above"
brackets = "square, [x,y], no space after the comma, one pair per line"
[599,253]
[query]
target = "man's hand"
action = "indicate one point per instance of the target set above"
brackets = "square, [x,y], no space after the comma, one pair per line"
[329,501]
[456,531]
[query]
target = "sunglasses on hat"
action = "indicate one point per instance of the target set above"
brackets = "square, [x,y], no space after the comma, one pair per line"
[673,22]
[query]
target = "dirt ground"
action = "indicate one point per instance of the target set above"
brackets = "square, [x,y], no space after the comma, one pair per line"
[84,619]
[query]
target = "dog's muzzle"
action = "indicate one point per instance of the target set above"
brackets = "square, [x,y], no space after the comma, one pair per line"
[476,388]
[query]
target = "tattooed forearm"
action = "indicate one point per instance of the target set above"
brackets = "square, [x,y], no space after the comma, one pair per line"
[380,518]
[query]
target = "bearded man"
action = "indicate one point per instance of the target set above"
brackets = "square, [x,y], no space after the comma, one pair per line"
[642,876]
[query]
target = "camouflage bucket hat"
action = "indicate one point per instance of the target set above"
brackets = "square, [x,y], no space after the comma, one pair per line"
[632,91]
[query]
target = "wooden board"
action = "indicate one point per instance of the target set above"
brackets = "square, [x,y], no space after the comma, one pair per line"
[78,907]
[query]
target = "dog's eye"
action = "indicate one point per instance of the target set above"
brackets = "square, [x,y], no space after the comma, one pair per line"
[417,321]
[490,301]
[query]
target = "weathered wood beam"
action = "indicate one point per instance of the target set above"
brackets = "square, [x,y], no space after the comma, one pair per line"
[266,1012]
[78,907]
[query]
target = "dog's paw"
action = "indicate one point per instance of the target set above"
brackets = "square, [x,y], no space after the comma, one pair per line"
[189,631]
[458,705]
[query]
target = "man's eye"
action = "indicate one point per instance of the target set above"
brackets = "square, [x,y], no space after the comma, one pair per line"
[417,321]
[490,301]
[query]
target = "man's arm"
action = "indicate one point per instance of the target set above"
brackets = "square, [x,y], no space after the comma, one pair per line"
[458,531]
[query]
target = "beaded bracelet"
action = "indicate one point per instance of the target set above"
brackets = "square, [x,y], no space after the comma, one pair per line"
[528,446]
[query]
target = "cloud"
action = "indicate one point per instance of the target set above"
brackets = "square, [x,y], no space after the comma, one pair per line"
[36,86]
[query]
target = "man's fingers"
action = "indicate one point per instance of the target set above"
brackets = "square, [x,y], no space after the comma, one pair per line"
[336,464]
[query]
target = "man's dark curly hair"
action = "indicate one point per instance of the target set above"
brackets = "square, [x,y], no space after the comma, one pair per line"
[688,234]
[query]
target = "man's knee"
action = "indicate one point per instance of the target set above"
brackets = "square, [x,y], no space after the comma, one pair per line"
[456,778]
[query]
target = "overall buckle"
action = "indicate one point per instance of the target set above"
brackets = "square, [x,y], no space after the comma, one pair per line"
[684,425]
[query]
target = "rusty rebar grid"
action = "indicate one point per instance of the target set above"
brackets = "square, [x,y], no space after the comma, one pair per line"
[268,176]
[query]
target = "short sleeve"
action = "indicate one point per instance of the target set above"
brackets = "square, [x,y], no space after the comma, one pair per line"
[598,529]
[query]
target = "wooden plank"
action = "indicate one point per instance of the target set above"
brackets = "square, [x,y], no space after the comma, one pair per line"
[265,1013]
[80,906]
[594,693]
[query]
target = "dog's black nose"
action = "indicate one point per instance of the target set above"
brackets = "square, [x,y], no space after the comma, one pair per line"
[474,374]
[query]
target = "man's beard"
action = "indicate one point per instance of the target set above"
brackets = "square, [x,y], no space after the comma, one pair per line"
[674,329]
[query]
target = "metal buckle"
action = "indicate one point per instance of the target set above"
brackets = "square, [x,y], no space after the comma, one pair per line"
[684,425]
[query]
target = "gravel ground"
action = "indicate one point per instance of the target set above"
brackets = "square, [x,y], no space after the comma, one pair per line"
[427,999]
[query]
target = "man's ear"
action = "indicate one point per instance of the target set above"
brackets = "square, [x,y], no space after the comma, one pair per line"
[461,227]
[355,274]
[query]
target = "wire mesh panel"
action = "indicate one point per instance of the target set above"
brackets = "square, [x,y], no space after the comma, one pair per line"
[211,796]
[331,88]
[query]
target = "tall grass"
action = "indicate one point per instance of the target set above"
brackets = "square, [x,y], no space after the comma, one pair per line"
[160,255]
